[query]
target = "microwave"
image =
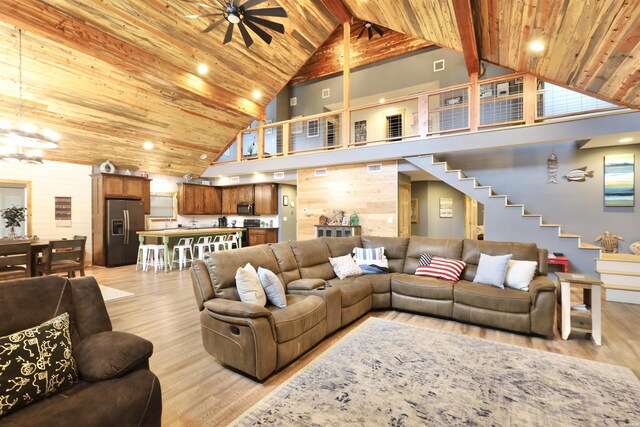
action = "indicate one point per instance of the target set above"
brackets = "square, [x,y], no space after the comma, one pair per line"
[245,208]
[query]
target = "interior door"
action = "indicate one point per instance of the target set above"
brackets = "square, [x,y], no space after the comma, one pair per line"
[116,228]
[404,209]
[470,218]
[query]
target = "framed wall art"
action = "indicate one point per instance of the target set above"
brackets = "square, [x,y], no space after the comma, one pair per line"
[360,131]
[446,207]
[619,180]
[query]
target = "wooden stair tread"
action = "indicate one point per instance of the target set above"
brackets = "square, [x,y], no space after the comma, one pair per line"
[622,287]
[588,246]
[532,215]
[619,273]
[515,205]
[498,195]
[570,235]
[482,186]
[550,225]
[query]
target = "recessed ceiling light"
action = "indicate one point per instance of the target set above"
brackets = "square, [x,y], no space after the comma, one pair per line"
[623,140]
[257,94]
[203,69]
[203,156]
[536,46]
[381,100]
[148,145]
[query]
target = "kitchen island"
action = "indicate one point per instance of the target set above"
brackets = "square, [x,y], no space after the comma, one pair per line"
[171,235]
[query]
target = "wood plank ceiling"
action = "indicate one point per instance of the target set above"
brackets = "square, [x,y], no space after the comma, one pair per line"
[110,74]
[592,46]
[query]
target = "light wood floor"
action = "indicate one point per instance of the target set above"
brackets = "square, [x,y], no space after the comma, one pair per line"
[198,391]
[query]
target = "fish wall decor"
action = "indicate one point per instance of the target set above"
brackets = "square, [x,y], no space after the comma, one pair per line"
[579,175]
[552,168]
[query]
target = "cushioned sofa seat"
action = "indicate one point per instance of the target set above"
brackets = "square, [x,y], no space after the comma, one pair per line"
[352,290]
[422,287]
[380,289]
[301,314]
[492,298]
[517,322]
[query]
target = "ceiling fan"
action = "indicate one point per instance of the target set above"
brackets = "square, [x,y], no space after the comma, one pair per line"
[243,16]
[370,27]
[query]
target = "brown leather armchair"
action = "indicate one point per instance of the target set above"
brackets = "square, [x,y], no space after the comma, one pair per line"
[115,384]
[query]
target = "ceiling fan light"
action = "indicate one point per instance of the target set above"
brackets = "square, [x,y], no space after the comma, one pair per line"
[5,124]
[34,153]
[367,24]
[28,128]
[233,18]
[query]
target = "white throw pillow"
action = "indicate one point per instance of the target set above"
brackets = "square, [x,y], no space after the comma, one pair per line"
[520,274]
[345,266]
[492,270]
[249,287]
[272,287]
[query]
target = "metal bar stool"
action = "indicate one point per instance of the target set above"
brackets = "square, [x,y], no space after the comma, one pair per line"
[202,246]
[233,239]
[219,242]
[155,257]
[184,245]
[142,260]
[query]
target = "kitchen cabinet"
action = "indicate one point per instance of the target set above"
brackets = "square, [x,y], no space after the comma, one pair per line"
[233,195]
[261,236]
[105,186]
[266,199]
[196,199]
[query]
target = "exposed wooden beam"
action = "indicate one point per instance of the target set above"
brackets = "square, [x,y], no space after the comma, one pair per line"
[338,10]
[466,29]
[346,82]
[45,21]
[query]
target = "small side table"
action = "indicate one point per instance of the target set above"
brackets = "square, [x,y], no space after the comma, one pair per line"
[589,320]
[562,261]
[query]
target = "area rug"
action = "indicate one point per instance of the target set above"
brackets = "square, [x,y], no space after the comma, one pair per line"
[395,374]
[109,294]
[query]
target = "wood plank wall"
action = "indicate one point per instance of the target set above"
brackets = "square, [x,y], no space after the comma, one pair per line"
[372,195]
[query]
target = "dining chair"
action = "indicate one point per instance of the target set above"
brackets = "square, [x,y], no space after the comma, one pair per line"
[15,260]
[63,256]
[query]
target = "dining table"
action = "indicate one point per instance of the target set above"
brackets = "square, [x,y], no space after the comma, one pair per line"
[172,234]
[37,247]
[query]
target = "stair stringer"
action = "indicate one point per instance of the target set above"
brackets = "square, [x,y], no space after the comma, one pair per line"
[506,221]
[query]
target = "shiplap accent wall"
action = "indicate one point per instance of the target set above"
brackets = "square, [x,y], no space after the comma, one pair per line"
[50,180]
[372,195]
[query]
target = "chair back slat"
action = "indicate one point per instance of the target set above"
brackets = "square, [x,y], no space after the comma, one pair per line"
[15,254]
[63,250]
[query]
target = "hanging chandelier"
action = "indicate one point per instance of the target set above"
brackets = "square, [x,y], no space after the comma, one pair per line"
[24,142]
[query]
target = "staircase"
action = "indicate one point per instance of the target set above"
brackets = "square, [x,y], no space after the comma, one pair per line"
[507,221]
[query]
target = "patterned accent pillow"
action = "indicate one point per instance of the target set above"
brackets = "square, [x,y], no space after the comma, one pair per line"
[425,260]
[35,363]
[442,268]
[369,254]
[345,266]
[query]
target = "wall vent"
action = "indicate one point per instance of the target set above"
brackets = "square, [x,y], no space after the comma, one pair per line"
[320,172]
[438,65]
[235,179]
[293,101]
[326,93]
[278,175]
[374,168]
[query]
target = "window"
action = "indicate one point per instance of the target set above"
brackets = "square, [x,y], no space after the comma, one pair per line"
[14,194]
[394,127]
[162,205]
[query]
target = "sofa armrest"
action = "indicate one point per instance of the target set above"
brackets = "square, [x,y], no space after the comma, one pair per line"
[540,284]
[110,354]
[227,307]
[305,284]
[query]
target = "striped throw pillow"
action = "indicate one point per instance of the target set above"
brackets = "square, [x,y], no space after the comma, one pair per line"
[441,268]
[369,254]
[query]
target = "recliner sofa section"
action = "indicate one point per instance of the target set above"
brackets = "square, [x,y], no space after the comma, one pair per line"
[259,340]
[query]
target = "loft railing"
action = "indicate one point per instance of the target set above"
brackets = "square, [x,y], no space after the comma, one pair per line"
[515,99]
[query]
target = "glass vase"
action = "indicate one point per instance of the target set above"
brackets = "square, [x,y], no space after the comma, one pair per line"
[12,233]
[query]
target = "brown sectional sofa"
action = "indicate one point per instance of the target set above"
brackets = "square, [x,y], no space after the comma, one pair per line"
[259,340]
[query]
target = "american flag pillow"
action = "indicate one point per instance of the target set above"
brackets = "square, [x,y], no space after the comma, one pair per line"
[440,268]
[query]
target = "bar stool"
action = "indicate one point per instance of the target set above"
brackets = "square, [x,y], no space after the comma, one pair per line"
[184,245]
[219,242]
[233,239]
[144,250]
[155,257]
[204,243]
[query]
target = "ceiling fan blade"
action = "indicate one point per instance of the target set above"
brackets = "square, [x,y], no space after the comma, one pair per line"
[268,11]
[275,26]
[259,31]
[370,33]
[248,41]
[250,3]
[378,30]
[213,25]
[361,32]
[229,35]
[202,15]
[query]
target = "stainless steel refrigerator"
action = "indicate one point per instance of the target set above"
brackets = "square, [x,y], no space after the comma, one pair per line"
[124,218]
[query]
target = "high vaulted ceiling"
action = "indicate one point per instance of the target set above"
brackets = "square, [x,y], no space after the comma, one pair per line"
[111,74]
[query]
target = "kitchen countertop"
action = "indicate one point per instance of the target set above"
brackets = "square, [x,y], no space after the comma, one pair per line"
[185,231]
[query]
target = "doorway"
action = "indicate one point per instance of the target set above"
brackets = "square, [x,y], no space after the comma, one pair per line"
[473,219]
[404,209]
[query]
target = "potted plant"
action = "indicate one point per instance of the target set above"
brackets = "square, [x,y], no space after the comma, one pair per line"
[13,217]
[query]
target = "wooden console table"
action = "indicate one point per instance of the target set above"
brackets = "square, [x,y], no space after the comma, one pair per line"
[590,318]
[338,230]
